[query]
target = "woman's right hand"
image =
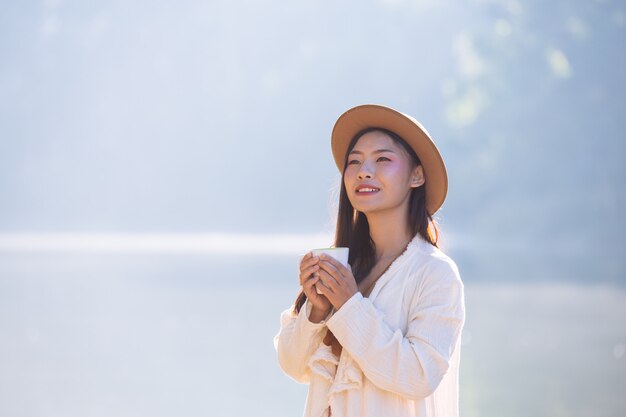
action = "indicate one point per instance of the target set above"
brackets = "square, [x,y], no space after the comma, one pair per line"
[309,276]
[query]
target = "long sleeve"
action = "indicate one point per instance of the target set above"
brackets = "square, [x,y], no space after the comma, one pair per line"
[410,365]
[296,341]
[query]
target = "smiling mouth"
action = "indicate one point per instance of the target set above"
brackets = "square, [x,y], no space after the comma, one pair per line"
[367,190]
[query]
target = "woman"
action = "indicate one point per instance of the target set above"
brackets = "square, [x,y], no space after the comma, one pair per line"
[383,336]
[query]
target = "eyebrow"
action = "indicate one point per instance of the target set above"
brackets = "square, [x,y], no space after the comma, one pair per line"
[376,151]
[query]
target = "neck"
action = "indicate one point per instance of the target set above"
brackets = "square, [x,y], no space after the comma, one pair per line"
[389,231]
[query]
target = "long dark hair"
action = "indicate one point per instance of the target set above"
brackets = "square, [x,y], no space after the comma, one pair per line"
[353,230]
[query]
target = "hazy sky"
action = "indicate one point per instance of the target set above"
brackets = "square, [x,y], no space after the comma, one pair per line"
[215,116]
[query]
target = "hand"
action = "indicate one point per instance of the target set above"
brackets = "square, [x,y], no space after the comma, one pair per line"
[338,283]
[309,276]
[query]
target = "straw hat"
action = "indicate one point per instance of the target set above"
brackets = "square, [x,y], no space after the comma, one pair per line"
[372,115]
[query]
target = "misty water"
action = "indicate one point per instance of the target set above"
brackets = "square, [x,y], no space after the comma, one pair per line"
[170,335]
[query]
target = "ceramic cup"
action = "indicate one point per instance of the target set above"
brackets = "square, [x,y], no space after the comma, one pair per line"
[340,254]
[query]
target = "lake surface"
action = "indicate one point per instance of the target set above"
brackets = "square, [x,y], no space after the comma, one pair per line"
[170,335]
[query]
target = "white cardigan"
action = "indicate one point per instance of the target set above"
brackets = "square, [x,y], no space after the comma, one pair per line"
[401,346]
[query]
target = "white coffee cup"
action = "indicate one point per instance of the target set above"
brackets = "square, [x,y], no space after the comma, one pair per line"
[340,254]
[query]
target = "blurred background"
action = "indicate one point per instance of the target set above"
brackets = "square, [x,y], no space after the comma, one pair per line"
[163,166]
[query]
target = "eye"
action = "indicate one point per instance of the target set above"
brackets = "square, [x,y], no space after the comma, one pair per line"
[383,158]
[353,161]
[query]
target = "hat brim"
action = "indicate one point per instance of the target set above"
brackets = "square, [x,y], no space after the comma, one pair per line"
[372,115]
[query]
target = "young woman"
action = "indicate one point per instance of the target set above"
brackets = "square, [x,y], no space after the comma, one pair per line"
[383,337]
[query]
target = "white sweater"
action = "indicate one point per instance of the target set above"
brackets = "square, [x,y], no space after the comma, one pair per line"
[401,346]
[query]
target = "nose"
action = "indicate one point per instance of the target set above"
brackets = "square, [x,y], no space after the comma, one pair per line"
[365,172]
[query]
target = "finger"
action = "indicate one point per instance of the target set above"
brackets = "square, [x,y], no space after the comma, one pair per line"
[324,289]
[307,286]
[328,280]
[338,265]
[307,273]
[308,262]
[331,270]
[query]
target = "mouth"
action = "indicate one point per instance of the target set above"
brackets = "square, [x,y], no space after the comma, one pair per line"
[367,190]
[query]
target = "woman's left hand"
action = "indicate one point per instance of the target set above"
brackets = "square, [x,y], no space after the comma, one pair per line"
[338,283]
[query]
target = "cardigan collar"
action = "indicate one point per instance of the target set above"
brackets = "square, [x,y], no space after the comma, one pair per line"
[416,244]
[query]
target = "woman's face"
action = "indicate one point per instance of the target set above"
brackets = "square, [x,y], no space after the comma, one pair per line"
[379,174]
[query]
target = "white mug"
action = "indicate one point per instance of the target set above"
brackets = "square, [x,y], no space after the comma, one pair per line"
[340,254]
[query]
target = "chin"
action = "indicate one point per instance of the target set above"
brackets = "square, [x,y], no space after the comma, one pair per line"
[376,207]
[367,209]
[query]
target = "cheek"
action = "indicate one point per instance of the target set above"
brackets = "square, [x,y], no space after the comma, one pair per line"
[395,170]
[349,174]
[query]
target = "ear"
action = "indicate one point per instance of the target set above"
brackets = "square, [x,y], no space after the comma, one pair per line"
[417,177]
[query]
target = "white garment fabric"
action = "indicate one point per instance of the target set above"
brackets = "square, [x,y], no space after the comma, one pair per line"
[401,345]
